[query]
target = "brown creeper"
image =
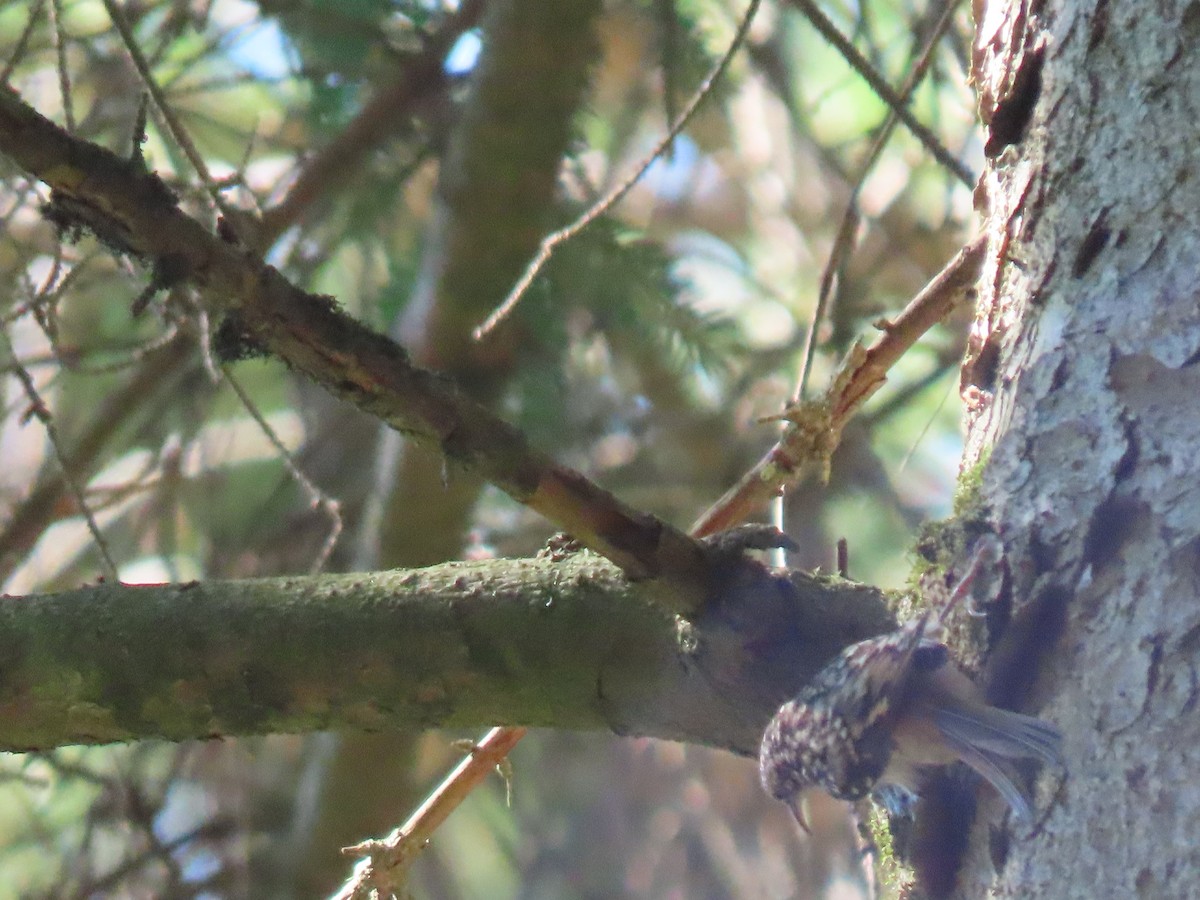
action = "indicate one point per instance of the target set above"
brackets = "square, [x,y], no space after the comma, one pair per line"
[888,708]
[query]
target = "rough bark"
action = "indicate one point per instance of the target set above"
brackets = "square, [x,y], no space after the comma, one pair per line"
[1083,389]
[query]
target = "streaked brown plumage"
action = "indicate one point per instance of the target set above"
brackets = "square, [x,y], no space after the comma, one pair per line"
[886,709]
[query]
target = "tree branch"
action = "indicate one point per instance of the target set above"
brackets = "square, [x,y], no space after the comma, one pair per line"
[895,103]
[497,189]
[537,642]
[815,428]
[385,116]
[133,211]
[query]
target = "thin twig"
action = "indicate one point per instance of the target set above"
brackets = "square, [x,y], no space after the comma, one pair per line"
[908,454]
[553,240]
[45,299]
[844,240]
[131,355]
[864,372]
[160,851]
[22,42]
[863,67]
[41,411]
[59,39]
[386,860]
[389,859]
[944,291]
[317,498]
[668,26]
[178,132]
[377,121]
[40,508]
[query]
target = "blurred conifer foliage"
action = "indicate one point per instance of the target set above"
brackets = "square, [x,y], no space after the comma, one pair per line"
[405,157]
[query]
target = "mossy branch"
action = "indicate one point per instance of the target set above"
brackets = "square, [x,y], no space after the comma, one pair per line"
[565,644]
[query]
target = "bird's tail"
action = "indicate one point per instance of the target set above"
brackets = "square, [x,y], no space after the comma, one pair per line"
[990,740]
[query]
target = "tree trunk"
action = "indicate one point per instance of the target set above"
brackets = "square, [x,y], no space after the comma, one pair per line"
[1082,391]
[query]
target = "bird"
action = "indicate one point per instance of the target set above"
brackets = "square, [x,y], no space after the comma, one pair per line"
[888,709]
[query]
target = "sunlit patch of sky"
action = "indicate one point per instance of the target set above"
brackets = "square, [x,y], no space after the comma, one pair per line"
[671,175]
[187,806]
[464,54]
[262,50]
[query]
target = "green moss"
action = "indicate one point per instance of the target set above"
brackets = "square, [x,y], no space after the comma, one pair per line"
[968,495]
[91,719]
[176,718]
[56,684]
[893,876]
[939,544]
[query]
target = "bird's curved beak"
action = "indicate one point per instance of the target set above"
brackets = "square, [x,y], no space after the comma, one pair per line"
[799,808]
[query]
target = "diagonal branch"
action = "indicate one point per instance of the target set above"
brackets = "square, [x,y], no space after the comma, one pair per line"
[815,428]
[497,188]
[383,117]
[133,211]
[844,241]
[886,93]
[601,207]
[385,861]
